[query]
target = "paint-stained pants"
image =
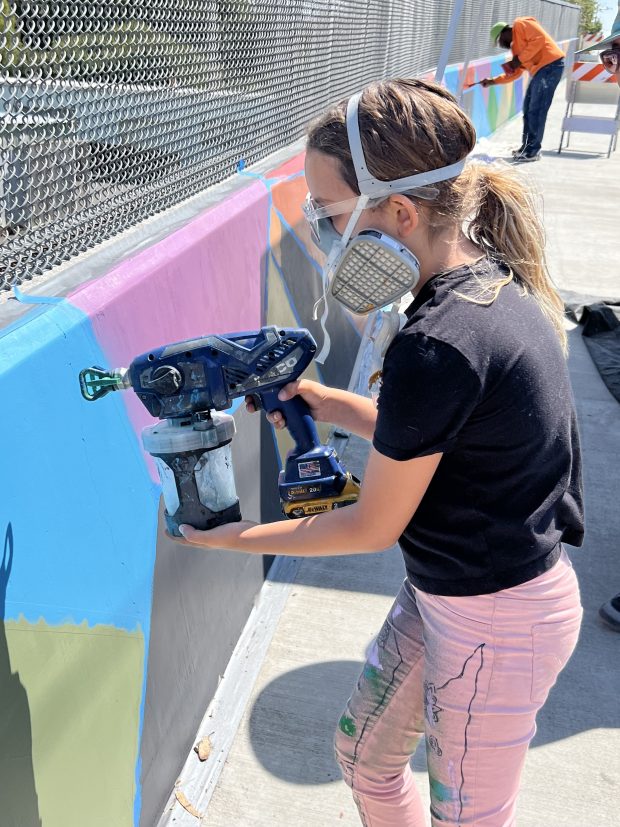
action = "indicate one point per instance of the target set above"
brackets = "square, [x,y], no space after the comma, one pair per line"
[536,104]
[469,674]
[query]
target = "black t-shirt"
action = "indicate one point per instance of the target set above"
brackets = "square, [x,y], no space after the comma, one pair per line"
[488,386]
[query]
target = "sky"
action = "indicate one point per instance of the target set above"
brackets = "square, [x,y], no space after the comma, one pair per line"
[607,14]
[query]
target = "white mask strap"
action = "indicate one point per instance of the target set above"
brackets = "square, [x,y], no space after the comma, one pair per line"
[362,201]
[328,271]
[327,342]
[373,187]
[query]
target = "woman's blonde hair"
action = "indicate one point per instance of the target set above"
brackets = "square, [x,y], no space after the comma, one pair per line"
[410,126]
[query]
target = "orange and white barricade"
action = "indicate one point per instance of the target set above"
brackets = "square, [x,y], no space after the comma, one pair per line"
[590,84]
[591,39]
[591,73]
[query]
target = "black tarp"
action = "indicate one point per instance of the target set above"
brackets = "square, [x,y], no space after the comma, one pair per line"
[600,323]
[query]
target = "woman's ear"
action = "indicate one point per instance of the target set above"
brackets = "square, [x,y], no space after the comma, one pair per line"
[406,215]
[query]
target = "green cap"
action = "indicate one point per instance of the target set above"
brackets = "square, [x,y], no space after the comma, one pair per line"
[497,29]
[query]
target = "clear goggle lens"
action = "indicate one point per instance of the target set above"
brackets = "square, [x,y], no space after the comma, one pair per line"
[315,212]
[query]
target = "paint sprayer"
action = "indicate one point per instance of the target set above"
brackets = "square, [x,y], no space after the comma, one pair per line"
[188,385]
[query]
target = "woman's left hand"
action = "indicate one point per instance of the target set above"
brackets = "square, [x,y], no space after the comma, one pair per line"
[224,536]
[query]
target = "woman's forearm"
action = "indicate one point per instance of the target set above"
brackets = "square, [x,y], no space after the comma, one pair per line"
[332,533]
[353,412]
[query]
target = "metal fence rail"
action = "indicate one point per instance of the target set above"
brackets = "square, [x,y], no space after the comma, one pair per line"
[113,110]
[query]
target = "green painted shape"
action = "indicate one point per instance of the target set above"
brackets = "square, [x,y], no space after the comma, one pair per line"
[439,791]
[346,725]
[493,108]
[505,104]
[69,724]
[375,679]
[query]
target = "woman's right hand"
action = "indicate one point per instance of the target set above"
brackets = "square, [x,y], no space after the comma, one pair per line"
[315,395]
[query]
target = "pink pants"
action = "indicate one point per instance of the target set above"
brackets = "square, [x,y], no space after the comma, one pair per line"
[469,674]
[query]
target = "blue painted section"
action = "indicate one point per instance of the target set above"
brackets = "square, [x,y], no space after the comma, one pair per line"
[77,491]
[478,113]
[451,78]
[519,89]
[26,299]
[78,494]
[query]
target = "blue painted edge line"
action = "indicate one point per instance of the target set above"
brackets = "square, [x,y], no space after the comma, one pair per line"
[24,298]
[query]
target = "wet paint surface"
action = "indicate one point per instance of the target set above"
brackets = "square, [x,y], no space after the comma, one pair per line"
[347,725]
[440,791]
[71,709]
[82,510]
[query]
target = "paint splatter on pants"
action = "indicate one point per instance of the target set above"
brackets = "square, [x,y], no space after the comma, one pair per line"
[538,99]
[469,675]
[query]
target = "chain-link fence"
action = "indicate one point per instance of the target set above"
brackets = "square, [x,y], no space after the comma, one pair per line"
[113,110]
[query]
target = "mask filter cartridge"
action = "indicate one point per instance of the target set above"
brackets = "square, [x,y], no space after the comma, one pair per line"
[374,270]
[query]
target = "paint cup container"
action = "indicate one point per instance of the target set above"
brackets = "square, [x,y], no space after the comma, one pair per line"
[195,468]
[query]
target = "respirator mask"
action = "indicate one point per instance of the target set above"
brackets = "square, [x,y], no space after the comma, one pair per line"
[371,269]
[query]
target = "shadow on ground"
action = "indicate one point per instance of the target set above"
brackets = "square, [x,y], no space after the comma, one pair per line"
[304,705]
[278,724]
[575,154]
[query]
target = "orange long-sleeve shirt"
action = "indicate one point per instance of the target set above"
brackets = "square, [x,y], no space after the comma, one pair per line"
[533,46]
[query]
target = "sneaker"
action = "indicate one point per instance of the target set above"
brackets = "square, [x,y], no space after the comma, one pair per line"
[524,158]
[610,613]
[515,152]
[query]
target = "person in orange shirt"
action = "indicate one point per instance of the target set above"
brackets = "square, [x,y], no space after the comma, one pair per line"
[533,51]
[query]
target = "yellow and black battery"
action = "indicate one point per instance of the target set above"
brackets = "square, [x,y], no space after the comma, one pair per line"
[308,500]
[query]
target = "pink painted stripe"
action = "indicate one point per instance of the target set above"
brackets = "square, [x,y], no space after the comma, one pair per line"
[204,278]
[290,167]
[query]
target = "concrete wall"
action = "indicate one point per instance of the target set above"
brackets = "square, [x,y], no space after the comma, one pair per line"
[112,636]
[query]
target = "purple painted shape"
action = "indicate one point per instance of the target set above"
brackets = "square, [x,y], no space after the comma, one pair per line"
[204,278]
[482,65]
[517,104]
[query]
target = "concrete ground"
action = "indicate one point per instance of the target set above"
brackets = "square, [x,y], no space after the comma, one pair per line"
[280,770]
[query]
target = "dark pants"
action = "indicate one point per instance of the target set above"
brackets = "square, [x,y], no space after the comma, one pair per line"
[536,104]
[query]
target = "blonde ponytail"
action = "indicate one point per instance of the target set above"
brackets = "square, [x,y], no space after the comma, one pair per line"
[506,226]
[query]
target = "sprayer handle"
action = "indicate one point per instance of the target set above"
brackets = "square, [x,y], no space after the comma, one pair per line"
[298,418]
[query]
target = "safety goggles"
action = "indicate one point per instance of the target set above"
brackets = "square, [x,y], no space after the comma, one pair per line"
[315,212]
[610,59]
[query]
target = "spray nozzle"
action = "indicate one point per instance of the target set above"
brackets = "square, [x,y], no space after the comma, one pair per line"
[95,382]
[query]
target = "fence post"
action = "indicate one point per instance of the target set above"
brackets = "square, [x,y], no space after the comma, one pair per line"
[470,48]
[449,41]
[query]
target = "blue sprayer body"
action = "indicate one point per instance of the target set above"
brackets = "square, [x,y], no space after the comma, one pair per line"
[189,378]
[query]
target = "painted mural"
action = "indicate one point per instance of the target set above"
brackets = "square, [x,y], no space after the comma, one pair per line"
[81,722]
[491,107]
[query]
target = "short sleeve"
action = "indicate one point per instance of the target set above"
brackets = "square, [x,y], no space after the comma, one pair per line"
[428,391]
